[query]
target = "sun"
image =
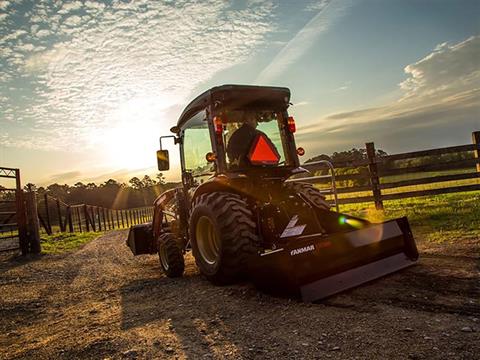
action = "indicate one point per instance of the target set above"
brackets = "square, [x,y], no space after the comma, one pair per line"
[132,140]
[132,146]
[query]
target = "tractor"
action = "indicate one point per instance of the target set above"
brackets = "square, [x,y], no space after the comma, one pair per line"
[244,213]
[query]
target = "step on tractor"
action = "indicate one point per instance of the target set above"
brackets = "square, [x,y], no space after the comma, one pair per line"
[244,213]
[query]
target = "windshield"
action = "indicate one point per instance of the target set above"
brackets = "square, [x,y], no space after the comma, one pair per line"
[242,130]
[196,144]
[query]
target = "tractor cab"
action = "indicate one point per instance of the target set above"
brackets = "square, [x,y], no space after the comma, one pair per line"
[235,130]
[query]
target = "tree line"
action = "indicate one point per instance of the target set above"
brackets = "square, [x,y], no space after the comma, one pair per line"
[138,192]
[111,194]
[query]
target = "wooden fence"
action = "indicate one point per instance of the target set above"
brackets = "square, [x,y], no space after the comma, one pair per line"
[374,171]
[57,216]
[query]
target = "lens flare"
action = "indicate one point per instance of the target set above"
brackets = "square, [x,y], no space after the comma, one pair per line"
[342,220]
[354,223]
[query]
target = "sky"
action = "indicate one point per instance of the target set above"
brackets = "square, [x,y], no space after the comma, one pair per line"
[87,87]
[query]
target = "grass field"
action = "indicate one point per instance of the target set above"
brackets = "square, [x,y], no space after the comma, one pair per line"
[414,176]
[439,218]
[63,242]
[419,175]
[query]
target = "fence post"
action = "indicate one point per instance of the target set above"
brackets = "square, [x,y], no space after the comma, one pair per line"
[21,215]
[374,180]
[110,219]
[47,213]
[476,141]
[121,216]
[104,219]
[91,217]
[69,218]
[85,214]
[118,220]
[113,220]
[33,223]
[99,219]
[107,217]
[79,216]
[59,212]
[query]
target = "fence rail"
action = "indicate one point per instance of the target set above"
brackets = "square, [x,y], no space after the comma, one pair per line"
[366,180]
[56,216]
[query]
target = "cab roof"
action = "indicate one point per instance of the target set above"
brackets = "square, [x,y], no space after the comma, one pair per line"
[238,96]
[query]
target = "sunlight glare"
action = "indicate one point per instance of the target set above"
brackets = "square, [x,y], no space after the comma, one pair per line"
[133,139]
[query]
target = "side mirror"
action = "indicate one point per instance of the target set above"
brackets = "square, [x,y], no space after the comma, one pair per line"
[163,160]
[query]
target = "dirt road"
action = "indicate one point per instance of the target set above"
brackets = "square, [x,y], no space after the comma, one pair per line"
[100,302]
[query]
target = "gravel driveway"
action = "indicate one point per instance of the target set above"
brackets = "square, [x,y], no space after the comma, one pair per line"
[101,302]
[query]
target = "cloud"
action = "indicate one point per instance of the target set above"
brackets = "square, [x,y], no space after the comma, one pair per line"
[43,33]
[73,21]
[301,103]
[316,5]
[100,61]
[65,177]
[447,69]
[330,13]
[345,86]
[440,104]
[4,5]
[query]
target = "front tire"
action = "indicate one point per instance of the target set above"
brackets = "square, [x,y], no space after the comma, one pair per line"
[223,235]
[170,255]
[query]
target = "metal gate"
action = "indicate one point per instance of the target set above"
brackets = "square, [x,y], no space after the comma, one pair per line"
[13,222]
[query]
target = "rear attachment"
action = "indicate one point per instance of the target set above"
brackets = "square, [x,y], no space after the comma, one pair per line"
[314,267]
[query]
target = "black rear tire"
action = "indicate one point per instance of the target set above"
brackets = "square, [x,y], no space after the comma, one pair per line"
[223,236]
[310,192]
[170,255]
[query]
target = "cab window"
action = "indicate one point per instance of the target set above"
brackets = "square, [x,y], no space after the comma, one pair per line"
[196,144]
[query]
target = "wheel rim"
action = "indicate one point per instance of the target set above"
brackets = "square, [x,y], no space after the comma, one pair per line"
[207,240]
[163,256]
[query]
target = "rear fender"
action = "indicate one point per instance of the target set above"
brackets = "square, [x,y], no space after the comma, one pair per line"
[160,204]
[219,183]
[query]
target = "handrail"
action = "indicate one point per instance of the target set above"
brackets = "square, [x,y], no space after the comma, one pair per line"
[333,189]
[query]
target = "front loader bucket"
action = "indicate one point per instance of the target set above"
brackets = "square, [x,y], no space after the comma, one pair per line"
[140,239]
[314,267]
